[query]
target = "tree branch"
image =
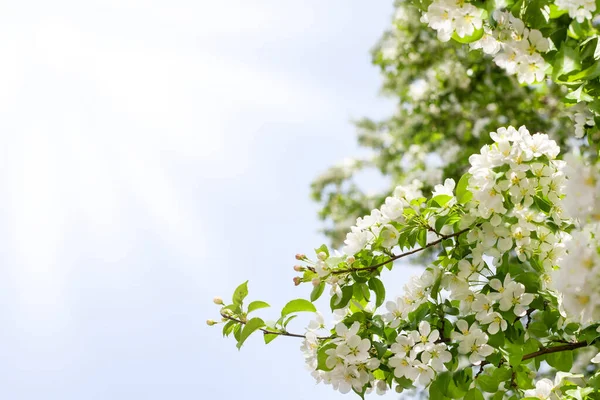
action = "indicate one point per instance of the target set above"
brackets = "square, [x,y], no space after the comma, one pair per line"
[544,351]
[555,349]
[268,332]
[408,253]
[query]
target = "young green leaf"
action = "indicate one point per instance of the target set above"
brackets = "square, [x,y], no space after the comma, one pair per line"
[269,337]
[377,286]
[474,394]
[298,305]
[317,291]
[255,305]
[463,195]
[240,293]
[561,360]
[250,326]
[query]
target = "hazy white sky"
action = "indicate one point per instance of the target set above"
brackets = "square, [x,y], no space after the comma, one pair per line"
[155,154]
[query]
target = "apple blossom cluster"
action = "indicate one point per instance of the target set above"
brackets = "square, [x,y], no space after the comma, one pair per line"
[378,223]
[349,362]
[514,47]
[579,278]
[449,17]
[418,355]
[579,10]
[518,171]
[507,285]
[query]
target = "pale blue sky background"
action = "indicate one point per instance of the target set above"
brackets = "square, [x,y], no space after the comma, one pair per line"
[156,154]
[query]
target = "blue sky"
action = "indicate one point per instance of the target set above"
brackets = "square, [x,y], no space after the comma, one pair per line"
[156,154]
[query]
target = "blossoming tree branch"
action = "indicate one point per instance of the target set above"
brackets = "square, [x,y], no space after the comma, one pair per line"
[508,305]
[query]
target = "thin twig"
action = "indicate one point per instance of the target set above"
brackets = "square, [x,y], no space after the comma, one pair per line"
[529,312]
[268,332]
[555,349]
[431,229]
[408,253]
[544,351]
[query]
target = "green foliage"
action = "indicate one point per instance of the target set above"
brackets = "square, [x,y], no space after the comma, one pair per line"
[240,294]
[255,305]
[298,305]
[250,326]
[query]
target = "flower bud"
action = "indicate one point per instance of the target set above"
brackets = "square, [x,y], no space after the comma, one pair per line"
[300,257]
[399,389]
[316,282]
[210,322]
[299,268]
[218,300]
[350,260]
[297,280]
[322,256]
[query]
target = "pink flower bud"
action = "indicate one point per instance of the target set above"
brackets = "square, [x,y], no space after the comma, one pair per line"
[218,300]
[299,268]
[316,281]
[300,257]
[297,280]
[210,322]
[350,260]
[322,256]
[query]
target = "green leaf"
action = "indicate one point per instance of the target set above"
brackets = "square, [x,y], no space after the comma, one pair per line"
[336,302]
[364,290]
[537,14]
[515,354]
[377,286]
[250,326]
[422,238]
[240,293]
[237,329]
[587,74]
[440,386]
[255,305]
[579,95]
[322,357]
[556,12]
[435,288]
[469,39]
[538,329]
[460,383]
[487,383]
[561,360]
[269,337]
[298,305]
[523,378]
[474,394]
[502,374]
[463,195]
[317,291]
[228,327]
[323,248]
[381,349]
[442,199]
[287,321]
[565,61]
[440,222]
[576,30]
